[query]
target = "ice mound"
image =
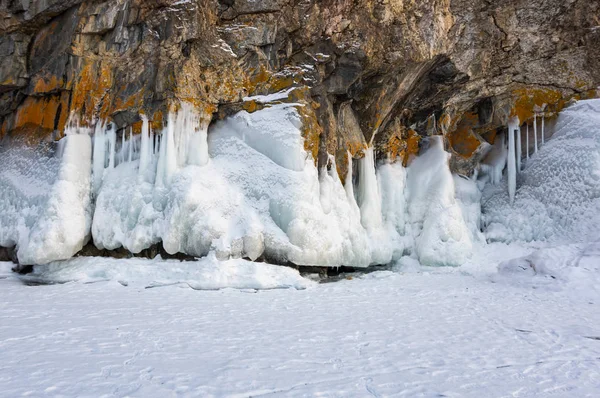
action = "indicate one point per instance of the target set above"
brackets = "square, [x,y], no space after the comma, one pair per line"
[45,198]
[558,197]
[205,274]
[436,218]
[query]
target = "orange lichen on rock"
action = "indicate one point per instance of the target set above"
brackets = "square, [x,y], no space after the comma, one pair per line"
[462,139]
[47,84]
[157,121]
[402,145]
[311,130]
[528,100]
[90,90]
[43,113]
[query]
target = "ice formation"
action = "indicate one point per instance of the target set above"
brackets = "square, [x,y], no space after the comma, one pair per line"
[249,189]
[543,133]
[519,148]
[527,141]
[513,125]
[535,137]
[493,165]
[438,226]
[559,194]
[45,198]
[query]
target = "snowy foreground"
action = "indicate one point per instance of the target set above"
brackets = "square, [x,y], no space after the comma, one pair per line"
[473,331]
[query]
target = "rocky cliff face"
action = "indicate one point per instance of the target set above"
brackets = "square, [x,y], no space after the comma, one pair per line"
[385,72]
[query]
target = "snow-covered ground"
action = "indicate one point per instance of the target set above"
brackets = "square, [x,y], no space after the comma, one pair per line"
[418,332]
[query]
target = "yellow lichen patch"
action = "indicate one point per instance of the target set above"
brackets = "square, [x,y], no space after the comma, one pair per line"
[528,100]
[490,136]
[90,89]
[47,84]
[3,129]
[311,130]
[137,127]
[264,81]
[251,106]
[157,122]
[39,115]
[462,139]
[402,145]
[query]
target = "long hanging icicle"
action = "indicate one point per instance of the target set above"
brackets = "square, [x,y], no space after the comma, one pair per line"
[513,124]
[130,144]
[543,132]
[349,186]
[527,143]
[112,147]
[535,146]
[123,147]
[145,150]
[99,156]
[519,153]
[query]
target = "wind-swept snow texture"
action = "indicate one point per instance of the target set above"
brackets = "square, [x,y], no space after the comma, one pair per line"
[45,198]
[559,194]
[468,332]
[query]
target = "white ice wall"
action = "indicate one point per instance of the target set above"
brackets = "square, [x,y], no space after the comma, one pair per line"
[45,199]
[247,189]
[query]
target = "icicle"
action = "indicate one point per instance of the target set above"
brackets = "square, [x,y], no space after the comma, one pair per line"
[349,186]
[543,133]
[130,157]
[123,147]
[535,139]
[519,149]
[112,143]
[145,150]
[198,147]
[527,143]
[99,156]
[368,192]
[512,169]
[156,143]
[162,154]
[170,164]
[152,142]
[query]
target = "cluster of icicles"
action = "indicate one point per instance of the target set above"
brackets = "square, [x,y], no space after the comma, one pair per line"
[183,142]
[515,153]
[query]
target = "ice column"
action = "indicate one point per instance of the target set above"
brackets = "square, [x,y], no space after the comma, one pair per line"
[145,150]
[519,153]
[349,186]
[513,124]
[99,156]
[543,117]
[131,143]
[535,146]
[112,146]
[368,192]
[527,141]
